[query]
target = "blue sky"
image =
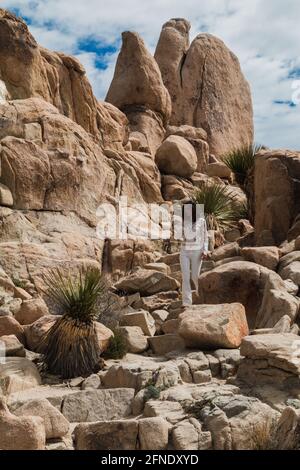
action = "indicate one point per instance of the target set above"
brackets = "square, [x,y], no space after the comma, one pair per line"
[264,34]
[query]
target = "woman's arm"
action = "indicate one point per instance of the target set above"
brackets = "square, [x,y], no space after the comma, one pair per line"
[206,253]
[205,237]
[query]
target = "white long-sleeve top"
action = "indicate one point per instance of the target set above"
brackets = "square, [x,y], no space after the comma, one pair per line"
[197,238]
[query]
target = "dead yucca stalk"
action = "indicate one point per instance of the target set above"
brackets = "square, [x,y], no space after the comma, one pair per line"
[70,348]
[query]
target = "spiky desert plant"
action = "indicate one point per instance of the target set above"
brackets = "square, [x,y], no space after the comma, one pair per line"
[70,347]
[218,204]
[241,160]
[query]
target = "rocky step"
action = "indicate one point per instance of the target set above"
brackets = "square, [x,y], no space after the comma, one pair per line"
[135,371]
[185,417]
[170,259]
[272,359]
[193,417]
[166,343]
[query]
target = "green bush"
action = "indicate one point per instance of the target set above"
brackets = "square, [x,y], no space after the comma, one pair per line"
[19,283]
[117,347]
[152,393]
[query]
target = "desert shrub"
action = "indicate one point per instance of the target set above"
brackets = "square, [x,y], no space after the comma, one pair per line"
[152,389]
[151,393]
[19,282]
[265,436]
[117,347]
[70,348]
[240,161]
[195,408]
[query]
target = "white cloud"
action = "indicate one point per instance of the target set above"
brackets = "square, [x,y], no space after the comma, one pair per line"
[100,79]
[54,39]
[263,33]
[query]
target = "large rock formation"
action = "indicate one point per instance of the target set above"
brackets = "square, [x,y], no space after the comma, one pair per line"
[53,168]
[53,137]
[206,85]
[277,196]
[27,70]
[62,154]
[259,289]
[138,90]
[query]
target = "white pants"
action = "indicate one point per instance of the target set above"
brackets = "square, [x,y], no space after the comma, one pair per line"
[190,262]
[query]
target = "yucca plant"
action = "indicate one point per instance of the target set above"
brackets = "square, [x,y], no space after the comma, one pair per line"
[240,161]
[218,204]
[70,347]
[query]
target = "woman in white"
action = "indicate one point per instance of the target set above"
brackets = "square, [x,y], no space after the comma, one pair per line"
[193,250]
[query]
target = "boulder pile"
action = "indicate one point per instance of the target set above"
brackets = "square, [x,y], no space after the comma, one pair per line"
[222,374]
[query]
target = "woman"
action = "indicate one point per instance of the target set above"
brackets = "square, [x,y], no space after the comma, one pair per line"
[194,249]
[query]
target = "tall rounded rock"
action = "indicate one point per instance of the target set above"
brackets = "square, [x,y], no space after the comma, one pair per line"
[20,61]
[137,89]
[216,95]
[207,87]
[170,54]
[137,79]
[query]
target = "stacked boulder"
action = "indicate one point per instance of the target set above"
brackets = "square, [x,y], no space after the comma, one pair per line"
[168,103]
[222,106]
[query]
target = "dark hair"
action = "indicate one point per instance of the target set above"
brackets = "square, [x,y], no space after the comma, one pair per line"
[106,257]
[193,204]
